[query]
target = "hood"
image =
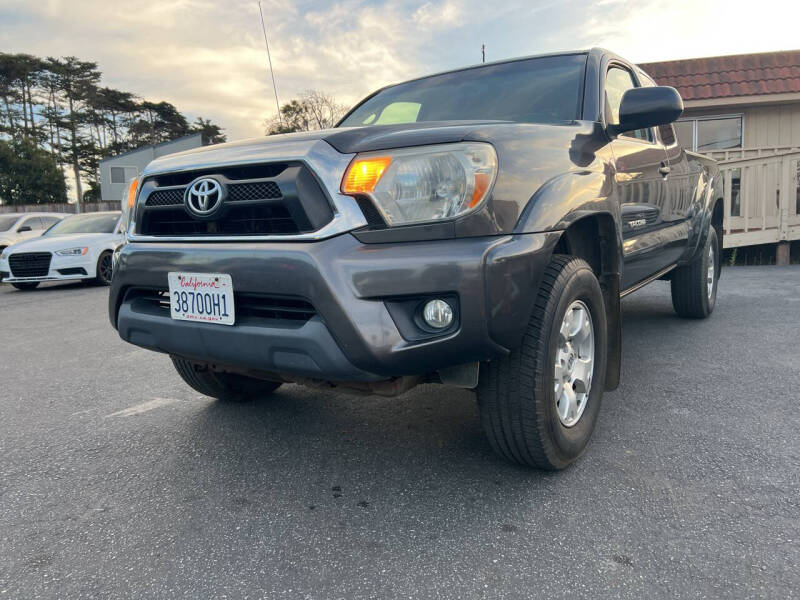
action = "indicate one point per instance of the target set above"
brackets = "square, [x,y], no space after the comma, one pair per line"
[346,140]
[51,243]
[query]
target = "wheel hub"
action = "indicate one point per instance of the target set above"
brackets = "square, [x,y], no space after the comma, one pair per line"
[574,364]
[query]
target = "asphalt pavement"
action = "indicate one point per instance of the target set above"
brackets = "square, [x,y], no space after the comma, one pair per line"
[118,481]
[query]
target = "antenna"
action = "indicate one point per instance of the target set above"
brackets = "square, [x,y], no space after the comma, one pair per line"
[483,52]
[269,58]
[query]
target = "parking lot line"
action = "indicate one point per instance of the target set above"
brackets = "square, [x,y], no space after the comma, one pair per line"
[144,407]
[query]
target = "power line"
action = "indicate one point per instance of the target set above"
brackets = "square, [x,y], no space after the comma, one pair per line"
[269,58]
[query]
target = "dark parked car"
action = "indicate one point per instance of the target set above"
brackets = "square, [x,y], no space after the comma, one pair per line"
[474,228]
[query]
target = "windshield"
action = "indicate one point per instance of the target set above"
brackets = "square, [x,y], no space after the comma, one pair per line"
[535,90]
[89,223]
[7,222]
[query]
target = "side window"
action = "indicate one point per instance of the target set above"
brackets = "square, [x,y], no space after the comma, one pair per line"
[667,134]
[646,80]
[619,81]
[33,222]
[48,222]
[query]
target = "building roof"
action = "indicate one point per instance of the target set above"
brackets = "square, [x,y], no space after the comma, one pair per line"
[730,76]
[151,146]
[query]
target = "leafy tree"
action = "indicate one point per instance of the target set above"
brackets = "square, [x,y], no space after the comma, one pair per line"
[158,122]
[76,80]
[59,106]
[115,105]
[29,175]
[19,76]
[313,110]
[212,134]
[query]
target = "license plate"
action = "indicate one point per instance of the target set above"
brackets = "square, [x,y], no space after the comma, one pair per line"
[203,297]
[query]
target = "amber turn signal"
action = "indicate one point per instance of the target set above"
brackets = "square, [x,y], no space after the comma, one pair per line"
[482,181]
[363,174]
[132,191]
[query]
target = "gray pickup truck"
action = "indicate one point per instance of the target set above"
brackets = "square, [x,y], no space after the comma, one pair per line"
[474,228]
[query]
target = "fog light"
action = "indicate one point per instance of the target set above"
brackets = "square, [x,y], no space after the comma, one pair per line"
[438,314]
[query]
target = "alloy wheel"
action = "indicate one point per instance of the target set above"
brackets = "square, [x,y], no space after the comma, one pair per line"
[574,363]
[106,268]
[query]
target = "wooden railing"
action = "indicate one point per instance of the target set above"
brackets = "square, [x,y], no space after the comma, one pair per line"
[761,194]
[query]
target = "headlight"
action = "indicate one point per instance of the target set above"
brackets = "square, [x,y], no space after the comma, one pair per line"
[429,183]
[4,254]
[73,251]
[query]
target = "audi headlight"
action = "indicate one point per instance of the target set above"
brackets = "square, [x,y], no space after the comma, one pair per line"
[4,254]
[428,183]
[73,251]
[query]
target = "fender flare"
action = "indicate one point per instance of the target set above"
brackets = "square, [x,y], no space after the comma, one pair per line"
[587,194]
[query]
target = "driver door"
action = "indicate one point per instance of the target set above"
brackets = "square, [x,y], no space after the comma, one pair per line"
[641,185]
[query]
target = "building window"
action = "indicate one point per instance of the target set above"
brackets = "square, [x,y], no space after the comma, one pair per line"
[719,134]
[705,134]
[685,133]
[117,174]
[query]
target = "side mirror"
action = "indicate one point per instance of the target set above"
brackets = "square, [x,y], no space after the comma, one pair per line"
[648,107]
[24,228]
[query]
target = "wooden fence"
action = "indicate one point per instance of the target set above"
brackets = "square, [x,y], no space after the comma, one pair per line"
[59,208]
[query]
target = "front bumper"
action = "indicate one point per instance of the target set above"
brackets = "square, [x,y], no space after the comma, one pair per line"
[359,292]
[62,268]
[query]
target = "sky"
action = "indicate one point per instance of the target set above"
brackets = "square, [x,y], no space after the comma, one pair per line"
[208,58]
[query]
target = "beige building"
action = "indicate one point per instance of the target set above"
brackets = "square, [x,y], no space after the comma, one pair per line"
[744,110]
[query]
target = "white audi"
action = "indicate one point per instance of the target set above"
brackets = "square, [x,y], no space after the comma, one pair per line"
[78,248]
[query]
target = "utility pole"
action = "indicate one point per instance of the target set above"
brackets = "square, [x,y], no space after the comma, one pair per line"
[269,58]
[483,53]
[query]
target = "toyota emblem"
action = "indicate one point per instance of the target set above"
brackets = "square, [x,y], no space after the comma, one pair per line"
[203,196]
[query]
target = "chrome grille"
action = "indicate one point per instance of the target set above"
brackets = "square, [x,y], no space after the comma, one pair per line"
[237,192]
[287,200]
[165,198]
[262,190]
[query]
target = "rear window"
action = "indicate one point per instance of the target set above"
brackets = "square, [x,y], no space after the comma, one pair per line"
[536,90]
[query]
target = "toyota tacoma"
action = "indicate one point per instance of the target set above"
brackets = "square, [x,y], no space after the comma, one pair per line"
[474,228]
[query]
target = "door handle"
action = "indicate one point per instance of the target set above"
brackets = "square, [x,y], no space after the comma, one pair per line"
[664,169]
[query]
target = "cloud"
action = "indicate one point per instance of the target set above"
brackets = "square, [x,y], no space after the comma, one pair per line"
[436,16]
[207,56]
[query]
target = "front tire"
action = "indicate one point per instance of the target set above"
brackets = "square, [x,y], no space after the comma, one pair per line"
[105,270]
[228,387]
[694,286]
[26,286]
[522,396]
